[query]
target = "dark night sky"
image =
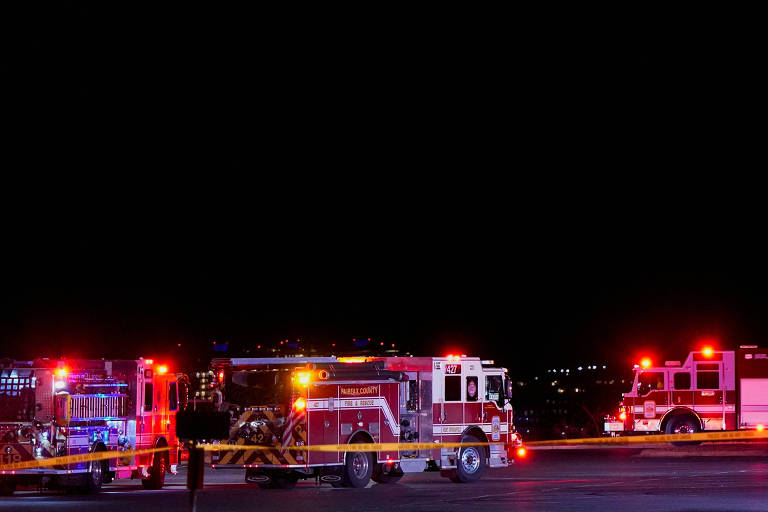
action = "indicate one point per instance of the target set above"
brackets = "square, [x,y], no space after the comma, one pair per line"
[535,200]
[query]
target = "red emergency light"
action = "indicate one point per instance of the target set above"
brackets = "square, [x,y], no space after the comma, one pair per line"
[707,351]
[645,362]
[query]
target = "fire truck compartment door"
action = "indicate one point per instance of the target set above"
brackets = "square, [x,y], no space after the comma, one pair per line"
[754,402]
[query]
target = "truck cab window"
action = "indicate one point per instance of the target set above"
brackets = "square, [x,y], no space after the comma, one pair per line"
[650,381]
[148,392]
[453,388]
[707,380]
[493,389]
[682,380]
[173,398]
[472,389]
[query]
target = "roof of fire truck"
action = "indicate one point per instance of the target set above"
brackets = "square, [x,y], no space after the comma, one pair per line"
[390,363]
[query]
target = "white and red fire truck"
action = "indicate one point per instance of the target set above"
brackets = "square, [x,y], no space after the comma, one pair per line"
[289,403]
[51,408]
[711,390]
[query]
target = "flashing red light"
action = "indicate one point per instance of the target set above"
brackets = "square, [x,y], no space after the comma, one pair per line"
[645,362]
[760,427]
[162,369]
[221,376]
[522,452]
[622,416]
[61,373]
[390,462]
[381,343]
[393,345]
[333,344]
[707,351]
[300,404]
[258,346]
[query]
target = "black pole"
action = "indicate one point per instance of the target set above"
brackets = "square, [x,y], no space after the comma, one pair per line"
[195,473]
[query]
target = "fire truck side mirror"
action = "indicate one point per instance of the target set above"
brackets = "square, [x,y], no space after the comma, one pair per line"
[202,425]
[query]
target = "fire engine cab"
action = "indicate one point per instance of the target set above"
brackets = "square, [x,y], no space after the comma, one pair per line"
[289,403]
[711,390]
[52,408]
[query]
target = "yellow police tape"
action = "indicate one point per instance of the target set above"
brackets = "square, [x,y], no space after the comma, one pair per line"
[83,457]
[659,438]
[359,447]
[379,447]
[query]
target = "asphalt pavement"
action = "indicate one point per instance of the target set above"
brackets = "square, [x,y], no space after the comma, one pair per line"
[617,480]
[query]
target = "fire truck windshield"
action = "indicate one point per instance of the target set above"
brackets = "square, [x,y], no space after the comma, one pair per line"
[650,381]
[259,387]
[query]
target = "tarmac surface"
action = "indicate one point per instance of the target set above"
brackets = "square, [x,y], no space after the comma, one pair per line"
[616,480]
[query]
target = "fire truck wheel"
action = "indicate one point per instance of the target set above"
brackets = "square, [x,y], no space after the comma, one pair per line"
[156,478]
[683,424]
[384,474]
[358,467]
[470,464]
[7,487]
[93,478]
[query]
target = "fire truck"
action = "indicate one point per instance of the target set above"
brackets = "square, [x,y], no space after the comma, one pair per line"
[51,408]
[711,390]
[291,403]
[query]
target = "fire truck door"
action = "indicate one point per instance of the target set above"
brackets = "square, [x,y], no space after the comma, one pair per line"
[709,396]
[330,428]
[473,398]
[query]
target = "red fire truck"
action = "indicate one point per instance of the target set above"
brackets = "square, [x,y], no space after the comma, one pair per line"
[711,390]
[289,403]
[52,408]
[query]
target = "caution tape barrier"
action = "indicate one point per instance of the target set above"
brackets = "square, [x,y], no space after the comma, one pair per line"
[358,447]
[83,457]
[659,438]
[379,447]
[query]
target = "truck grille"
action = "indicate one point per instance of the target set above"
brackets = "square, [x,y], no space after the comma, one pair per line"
[97,406]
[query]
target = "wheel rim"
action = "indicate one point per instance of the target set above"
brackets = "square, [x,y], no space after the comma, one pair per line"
[360,464]
[96,469]
[470,459]
[685,428]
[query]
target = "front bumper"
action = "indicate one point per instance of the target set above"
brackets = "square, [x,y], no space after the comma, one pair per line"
[614,426]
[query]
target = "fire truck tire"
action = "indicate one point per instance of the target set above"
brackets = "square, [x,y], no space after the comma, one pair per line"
[94,478]
[156,478]
[470,464]
[7,487]
[683,424]
[358,467]
[386,475]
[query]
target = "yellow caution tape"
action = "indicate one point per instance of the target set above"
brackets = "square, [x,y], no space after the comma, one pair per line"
[83,457]
[379,447]
[358,447]
[659,438]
